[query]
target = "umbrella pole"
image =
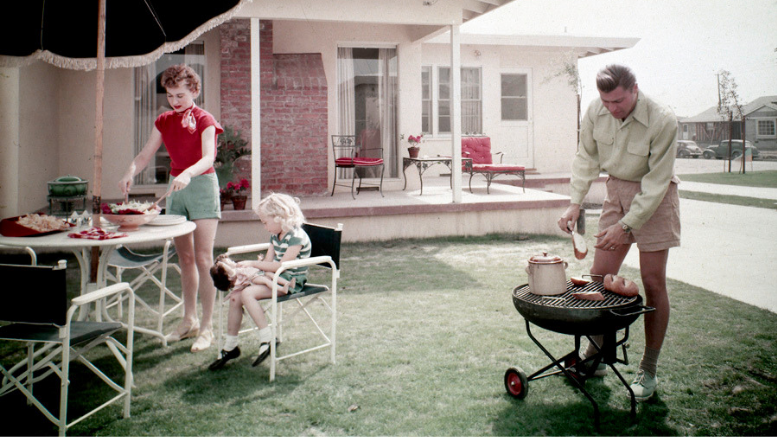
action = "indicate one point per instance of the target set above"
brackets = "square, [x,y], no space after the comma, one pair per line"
[98,134]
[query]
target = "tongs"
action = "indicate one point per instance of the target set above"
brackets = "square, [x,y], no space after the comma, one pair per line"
[155,204]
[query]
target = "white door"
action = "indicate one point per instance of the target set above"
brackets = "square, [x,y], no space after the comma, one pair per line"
[515,125]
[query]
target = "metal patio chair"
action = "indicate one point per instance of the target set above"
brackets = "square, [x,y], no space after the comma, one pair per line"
[350,155]
[325,253]
[153,268]
[36,311]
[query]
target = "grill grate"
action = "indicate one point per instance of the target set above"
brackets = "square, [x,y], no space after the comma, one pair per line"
[566,300]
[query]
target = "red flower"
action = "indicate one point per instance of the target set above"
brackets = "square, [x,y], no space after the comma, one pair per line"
[237,187]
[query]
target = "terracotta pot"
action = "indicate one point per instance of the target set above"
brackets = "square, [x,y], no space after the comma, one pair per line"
[413,151]
[239,202]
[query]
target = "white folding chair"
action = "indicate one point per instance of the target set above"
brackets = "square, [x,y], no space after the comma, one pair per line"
[325,252]
[154,268]
[35,306]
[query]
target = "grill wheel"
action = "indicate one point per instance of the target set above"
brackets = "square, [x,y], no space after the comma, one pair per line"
[516,383]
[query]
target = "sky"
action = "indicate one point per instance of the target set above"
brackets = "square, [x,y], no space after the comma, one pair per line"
[683,43]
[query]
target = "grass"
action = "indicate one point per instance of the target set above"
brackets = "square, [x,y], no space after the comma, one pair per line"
[758,179]
[763,179]
[426,331]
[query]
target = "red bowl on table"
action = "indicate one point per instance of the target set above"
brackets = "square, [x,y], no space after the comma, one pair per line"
[130,222]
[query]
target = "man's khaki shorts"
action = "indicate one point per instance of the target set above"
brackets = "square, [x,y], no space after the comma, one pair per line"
[660,232]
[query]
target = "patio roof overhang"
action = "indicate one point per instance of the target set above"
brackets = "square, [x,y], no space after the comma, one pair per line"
[583,46]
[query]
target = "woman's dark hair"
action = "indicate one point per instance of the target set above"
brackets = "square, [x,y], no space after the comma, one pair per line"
[614,76]
[220,277]
[181,74]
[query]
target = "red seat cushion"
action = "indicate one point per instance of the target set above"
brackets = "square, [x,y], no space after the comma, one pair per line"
[344,162]
[477,148]
[366,162]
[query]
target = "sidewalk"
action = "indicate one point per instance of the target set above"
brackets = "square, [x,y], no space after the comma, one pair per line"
[727,249]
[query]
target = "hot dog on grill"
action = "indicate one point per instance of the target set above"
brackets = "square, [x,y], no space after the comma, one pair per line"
[621,286]
[590,295]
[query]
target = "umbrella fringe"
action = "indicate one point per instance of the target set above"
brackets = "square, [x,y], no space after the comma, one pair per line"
[88,64]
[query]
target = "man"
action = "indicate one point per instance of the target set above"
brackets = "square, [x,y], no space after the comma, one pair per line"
[634,139]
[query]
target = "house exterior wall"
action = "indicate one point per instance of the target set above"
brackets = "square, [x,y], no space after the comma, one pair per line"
[550,133]
[293,109]
[761,142]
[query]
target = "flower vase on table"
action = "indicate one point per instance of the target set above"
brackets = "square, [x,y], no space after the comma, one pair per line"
[414,148]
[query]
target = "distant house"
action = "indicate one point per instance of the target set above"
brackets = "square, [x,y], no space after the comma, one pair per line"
[709,127]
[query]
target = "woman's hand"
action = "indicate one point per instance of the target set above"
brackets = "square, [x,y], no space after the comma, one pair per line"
[125,184]
[181,181]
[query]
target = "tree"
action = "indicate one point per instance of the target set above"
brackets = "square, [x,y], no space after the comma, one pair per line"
[730,107]
[568,67]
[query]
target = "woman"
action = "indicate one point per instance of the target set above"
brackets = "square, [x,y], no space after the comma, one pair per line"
[190,135]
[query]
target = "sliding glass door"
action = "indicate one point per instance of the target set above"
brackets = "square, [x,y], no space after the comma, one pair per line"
[367,100]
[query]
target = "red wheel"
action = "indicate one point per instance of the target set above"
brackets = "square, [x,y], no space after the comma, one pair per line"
[516,383]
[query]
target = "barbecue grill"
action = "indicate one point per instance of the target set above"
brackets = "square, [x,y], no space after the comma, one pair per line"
[569,315]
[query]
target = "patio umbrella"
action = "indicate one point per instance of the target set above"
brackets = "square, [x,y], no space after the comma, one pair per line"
[99,34]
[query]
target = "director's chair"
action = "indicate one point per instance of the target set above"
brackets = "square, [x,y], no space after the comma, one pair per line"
[325,252]
[37,314]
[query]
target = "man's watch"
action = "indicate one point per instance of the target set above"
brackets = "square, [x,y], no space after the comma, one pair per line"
[626,228]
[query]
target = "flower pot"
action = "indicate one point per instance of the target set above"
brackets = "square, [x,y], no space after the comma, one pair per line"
[413,151]
[239,202]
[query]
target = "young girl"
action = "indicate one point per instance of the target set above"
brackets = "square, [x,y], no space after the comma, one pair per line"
[190,135]
[282,218]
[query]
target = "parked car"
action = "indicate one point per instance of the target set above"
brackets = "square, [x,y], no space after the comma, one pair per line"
[720,151]
[688,149]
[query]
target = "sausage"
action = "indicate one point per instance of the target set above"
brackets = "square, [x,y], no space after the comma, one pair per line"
[621,286]
[579,282]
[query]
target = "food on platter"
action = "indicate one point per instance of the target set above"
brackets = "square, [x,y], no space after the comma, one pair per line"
[590,295]
[32,225]
[42,223]
[131,207]
[579,282]
[96,234]
[621,286]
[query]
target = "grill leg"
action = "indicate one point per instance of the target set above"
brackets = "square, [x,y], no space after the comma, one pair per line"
[566,372]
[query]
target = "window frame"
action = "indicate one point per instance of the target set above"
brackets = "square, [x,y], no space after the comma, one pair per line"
[772,121]
[434,85]
[525,98]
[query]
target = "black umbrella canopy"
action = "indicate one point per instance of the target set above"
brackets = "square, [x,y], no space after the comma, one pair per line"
[64,32]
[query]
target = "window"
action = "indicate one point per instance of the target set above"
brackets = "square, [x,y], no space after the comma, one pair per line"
[436,100]
[151,100]
[514,97]
[765,128]
[426,100]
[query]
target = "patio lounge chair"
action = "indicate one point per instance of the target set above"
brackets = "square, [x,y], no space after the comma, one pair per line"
[349,154]
[479,149]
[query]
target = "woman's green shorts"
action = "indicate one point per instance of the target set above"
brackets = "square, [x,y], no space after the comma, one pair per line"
[199,200]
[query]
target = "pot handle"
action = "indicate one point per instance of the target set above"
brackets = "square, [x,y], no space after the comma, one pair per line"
[642,309]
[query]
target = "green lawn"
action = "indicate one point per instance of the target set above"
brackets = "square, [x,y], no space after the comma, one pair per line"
[426,331]
[764,179]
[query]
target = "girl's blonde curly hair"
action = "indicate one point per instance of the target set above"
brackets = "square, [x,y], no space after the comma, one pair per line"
[283,209]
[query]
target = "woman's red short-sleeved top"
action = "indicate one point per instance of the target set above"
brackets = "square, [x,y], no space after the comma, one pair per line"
[184,147]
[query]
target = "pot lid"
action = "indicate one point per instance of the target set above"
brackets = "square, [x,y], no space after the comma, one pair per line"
[545,259]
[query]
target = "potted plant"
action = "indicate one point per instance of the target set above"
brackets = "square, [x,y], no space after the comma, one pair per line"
[231,146]
[414,142]
[234,190]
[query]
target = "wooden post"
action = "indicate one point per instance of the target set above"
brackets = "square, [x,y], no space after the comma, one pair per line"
[98,134]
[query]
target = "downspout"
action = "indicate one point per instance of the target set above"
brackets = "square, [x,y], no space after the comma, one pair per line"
[256,116]
[456,112]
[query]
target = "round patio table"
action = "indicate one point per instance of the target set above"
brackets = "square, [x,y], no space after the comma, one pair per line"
[81,248]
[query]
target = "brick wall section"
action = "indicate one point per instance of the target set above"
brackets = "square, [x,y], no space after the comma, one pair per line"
[293,108]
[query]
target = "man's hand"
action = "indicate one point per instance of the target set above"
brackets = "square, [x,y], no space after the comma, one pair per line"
[610,238]
[567,220]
